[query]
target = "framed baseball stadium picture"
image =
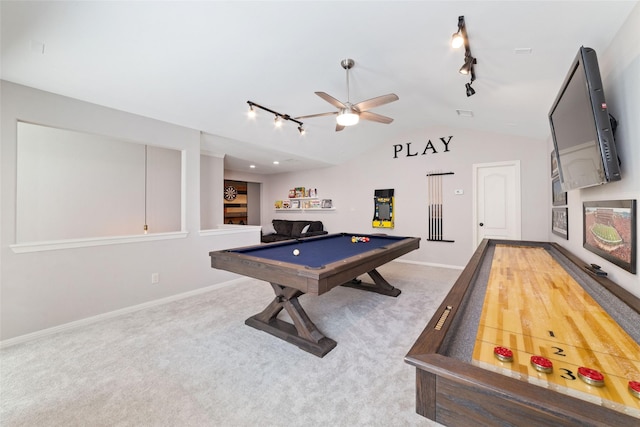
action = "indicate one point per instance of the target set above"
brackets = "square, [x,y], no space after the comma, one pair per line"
[560,222]
[609,230]
[559,196]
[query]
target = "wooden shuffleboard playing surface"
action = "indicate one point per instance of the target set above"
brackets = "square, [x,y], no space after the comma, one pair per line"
[533,307]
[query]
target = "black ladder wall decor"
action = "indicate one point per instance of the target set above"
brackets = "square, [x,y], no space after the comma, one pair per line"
[434,183]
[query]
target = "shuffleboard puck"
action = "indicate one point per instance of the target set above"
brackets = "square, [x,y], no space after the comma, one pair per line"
[503,354]
[634,388]
[542,364]
[591,376]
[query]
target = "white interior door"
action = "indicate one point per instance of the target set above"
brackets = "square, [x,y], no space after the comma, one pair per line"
[496,201]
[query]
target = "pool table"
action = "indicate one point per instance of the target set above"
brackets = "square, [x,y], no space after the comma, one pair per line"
[536,299]
[322,263]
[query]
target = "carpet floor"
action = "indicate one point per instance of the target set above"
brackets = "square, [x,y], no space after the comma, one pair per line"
[193,362]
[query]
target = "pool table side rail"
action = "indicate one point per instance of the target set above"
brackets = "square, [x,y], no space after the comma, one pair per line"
[315,281]
[453,392]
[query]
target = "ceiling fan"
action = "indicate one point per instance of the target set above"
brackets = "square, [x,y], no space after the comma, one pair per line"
[349,114]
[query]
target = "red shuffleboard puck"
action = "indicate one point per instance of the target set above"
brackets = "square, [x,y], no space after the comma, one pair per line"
[591,376]
[542,364]
[503,354]
[634,388]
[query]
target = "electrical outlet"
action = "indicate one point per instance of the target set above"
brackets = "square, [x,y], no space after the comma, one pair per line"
[155,278]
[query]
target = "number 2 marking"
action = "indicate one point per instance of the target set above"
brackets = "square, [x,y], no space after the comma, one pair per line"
[559,351]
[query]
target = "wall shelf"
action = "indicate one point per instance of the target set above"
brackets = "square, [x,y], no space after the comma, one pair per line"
[304,204]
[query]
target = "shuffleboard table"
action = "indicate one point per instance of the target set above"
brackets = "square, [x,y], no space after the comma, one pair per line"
[528,335]
[313,265]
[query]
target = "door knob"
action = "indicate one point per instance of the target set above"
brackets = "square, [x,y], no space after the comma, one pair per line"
[481,224]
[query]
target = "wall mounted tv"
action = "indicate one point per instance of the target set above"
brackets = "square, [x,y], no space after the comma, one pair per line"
[581,127]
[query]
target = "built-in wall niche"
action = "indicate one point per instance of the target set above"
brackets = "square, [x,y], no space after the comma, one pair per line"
[76,185]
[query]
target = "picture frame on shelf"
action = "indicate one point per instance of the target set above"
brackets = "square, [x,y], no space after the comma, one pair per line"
[609,230]
[560,222]
[559,196]
[327,204]
[295,204]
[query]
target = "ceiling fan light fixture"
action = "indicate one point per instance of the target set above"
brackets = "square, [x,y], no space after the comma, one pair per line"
[347,117]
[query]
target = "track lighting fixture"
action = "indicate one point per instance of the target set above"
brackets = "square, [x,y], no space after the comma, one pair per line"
[278,119]
[459,39]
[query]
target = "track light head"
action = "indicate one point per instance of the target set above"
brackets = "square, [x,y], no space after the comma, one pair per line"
[301,130]
[278,121]
[470,90]
[251,113]
[458,38]
[467,67]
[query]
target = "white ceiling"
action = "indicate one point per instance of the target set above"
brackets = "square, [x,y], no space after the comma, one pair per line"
[196,64]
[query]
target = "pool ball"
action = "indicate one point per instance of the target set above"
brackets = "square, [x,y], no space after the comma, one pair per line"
[296,252]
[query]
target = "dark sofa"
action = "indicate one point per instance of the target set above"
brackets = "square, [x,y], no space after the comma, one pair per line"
[287,230]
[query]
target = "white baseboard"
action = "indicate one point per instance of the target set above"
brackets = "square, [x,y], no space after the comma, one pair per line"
[93,319]
[430,264]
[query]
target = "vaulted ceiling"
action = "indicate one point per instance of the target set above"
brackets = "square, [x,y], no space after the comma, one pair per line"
[196,64]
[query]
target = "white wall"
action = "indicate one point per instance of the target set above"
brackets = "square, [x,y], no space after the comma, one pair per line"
[211,183]
[620,70]
[45,289]
[351,187]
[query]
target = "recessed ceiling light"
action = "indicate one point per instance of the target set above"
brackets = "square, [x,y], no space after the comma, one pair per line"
[522,51]
[465,113]
[275,162]
[252,166]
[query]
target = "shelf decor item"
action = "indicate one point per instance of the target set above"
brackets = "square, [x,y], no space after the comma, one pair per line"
[609,230]
[327,204]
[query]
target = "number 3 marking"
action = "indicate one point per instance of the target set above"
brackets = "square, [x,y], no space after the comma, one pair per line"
[568,375]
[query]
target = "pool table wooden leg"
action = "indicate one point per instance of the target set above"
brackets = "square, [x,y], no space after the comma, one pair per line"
[302,333]
[380,285]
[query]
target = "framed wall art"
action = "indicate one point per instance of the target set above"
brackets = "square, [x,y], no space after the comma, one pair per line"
[609,230]
[560,222]
[559,196]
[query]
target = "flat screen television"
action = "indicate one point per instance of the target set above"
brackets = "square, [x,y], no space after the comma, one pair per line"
[581,127]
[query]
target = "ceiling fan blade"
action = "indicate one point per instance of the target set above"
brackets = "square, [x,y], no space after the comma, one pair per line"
[316,115]
[339,127]
[368,115]
[331,100]
[376,102]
